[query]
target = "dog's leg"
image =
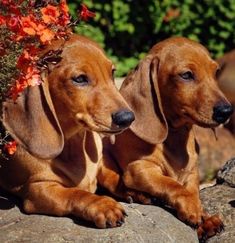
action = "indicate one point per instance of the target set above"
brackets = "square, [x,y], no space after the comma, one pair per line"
[54,199]
[146,176]
[109,177]
[211,224]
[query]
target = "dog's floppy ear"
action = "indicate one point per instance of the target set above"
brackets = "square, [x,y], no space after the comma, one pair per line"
[141,91]
[32,122]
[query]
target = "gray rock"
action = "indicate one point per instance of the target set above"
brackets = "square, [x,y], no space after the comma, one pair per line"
[220,199]
[143,224]
[226,174]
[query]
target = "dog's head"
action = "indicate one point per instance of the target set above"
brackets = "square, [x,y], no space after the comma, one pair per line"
[173,86]
[83,92]
[77,93]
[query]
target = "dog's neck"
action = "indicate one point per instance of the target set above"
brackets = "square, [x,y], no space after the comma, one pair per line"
[177,144]
[176,134]
[82,146]
[70,129]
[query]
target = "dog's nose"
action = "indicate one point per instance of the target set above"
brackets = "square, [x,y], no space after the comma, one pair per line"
[123,118]
[222,112]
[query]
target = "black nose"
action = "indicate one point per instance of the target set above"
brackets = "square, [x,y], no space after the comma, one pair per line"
[123,118]
[222,112]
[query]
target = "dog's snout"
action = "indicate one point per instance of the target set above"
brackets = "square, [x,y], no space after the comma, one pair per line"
[222,112]
[123,118]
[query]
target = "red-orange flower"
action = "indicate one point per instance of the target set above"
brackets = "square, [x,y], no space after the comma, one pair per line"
[27,58]
[6,2]
[30,77]
[46,35]
[50,14]
[17,88]
[64,7]
[23,60]
[2,20]
[64,18]
[13,23]
[85,13]
[29,25]
[33,76]
[10,147]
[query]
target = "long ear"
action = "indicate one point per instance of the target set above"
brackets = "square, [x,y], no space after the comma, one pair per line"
[32,122]
[141,91]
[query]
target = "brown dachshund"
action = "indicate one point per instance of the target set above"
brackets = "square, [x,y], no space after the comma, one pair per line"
[58,126]
[172,88]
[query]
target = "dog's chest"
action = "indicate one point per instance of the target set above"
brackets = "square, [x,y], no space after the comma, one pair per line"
[80,160]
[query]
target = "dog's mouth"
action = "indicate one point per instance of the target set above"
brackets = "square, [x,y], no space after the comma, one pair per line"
[92,124]
[110,132]
[105,130]
[199,119]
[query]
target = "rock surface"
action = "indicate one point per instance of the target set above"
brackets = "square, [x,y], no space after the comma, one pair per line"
[226,175]
[143,224]
[220,199]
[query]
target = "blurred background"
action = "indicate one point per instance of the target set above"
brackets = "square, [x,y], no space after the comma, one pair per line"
[128,29]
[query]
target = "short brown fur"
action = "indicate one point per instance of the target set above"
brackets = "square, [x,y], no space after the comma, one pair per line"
[158,154]
[59,156]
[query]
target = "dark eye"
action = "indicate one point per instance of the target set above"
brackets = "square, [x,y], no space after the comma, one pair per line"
[81,80]
[187,76]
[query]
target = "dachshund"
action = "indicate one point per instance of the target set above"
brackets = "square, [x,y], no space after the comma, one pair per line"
[172,89]
[58,127]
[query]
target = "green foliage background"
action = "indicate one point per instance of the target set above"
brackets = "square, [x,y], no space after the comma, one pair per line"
[127,29]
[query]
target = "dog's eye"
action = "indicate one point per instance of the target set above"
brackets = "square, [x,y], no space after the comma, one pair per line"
[81,80]
[187,76]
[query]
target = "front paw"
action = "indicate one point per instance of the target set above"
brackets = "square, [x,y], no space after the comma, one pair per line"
[105,212]
[189,209]
[210,226]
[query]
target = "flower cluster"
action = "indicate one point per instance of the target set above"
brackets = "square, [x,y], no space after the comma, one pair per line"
[38,22]
[26,27]
[32,24]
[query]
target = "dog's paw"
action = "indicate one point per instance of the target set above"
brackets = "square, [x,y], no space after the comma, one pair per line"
[210,226]
[105,212]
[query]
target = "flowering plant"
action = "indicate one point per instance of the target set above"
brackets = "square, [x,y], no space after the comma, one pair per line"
[26,27]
